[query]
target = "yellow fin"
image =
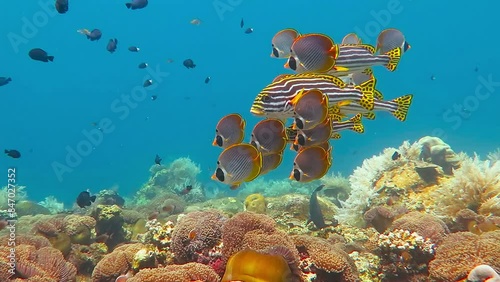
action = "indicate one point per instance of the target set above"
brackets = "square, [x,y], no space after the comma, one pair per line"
[403,103]
[395,56]
[368,47]
[369,115]
[367,89]
[378,95]
[297,97]
[357,125]
[335,135]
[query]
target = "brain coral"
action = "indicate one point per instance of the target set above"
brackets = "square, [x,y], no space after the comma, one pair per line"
[235,228]
[426,225]
[45,262]
[177,273]
[460,252]
[196,232]
[332,263]
[116,263]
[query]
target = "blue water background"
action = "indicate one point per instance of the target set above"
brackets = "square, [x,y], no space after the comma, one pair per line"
[48,105]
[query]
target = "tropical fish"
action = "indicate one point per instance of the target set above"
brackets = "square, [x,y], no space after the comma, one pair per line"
[249,30]
[62,6]
[13,153]
[84,199]
[311,109]
[356,58]
[133,49]
[310,164]
[93,35]
[142,65]
[38,54]
[397,107]
[238,163]
[5,80]
[390,39]
[137,4]
[188,63]
[282,43]
[158,160]
[315,136]
[147,83]
[270,162]
[312,53]
[275,99]
[269,136]
[315,214]
[325,145]
[112,44]
[230,130]
[186,190]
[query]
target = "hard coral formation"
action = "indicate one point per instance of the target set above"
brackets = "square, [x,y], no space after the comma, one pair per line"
[255,203]
[44,262]
[364,178]
[110,223]
[460,252]
[196,234]
[116,263]
[175,273]
[426,225]
[435,151]
[323,261]
[404,254]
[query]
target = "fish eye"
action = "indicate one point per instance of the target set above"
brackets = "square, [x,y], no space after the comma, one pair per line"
[265,98]
[253,143]
[301,139]
[219,174]
[299,123]
[295,148]
[275,52]
[292,63]
[219,141]
[216,130]
[218,162]
[296,174]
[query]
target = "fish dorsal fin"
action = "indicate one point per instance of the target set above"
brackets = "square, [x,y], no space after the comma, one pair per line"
[368,47]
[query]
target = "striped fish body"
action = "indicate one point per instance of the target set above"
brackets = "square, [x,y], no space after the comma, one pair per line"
[275,99]
[357,58]
[397,107]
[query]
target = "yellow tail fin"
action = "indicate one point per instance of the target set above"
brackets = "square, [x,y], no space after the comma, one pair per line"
[357,126]
[403,103]
[395,56]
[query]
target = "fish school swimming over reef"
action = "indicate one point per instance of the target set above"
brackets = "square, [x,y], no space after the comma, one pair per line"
[332,89]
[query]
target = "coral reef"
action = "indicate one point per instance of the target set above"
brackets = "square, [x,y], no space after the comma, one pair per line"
[425,225]
[449,263]
[196,234]
[255,203]
[52,204]
[116,263]
[475,186]
[174,273]
[323,261]
[435,151]
[110,223]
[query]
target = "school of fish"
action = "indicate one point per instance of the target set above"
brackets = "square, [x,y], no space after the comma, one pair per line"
[332,89]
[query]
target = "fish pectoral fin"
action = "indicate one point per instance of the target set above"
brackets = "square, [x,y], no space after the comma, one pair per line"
[234,186]
[297,97]
[339,68]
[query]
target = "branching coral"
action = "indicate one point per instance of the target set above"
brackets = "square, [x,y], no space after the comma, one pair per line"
[21,195]
[324,261]
[175,273]
[460,252]
[363,178]
[475,185]
[494,156]
[195,234]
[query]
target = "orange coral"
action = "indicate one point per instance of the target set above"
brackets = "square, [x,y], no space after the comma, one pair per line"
[331,263]
[175,273]
[116,263]
[46,262]
[460,252]
[73,222]
[33,240]
[235,228]
[196,232]
[425,225]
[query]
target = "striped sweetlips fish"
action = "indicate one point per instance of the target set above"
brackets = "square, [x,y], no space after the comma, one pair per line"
[277,99]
